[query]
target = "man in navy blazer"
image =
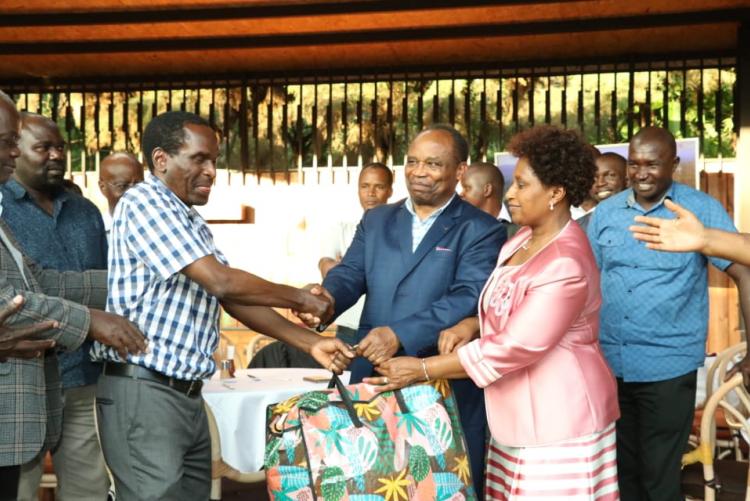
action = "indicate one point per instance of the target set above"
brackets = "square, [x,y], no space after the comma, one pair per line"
[422,262]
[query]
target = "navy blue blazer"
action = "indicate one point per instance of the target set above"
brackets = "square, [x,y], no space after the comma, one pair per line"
[417,294]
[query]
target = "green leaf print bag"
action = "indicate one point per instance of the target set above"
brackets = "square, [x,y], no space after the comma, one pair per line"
[350,443]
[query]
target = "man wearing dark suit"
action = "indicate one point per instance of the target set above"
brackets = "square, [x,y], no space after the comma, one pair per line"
[422,263]
[30,392]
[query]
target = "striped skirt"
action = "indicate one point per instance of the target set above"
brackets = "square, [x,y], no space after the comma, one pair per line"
[580,469]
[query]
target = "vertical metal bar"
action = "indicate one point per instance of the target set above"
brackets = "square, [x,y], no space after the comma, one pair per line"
[54,114]
[374,118]
[683,102]
[436,102]
[420,104]
[579,113]
[665,97]
[499,109]
[467,111]
[718,113]
[701,131]
[329,123]
[613,109]
[269,134]
[139,113]
[360,123]
[82,112]
[405,112]
[97,109]
[111,119]
[564,101]
[631,100]
[452,103]
[285,130]
[255,100]
[155,105]
[389,119]
[243,126]
[316,139]
[169,98]
[345,121]
[648,98]
[69,124]
[39,107]
[300,131]
[183,104]
[516,125]
[225,127]
[598,106]
[212,107]
[197,108]
[548,100]
[125,126]
[532,82]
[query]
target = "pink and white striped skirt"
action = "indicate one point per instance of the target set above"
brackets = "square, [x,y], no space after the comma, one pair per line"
[580,469]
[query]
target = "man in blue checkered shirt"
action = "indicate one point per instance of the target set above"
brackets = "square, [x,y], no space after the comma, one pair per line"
[654,317]
[167,276]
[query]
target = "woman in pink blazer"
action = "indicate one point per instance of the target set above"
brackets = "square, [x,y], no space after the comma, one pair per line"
[551,398]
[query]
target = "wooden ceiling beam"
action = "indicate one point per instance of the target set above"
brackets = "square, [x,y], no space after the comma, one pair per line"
[734,15]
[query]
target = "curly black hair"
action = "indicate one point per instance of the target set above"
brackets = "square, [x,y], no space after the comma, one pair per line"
[167,131]
[559,158]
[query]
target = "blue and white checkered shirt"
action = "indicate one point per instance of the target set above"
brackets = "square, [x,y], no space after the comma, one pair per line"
[154,236]
[419,228]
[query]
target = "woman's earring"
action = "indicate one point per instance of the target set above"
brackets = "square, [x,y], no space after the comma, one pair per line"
[551,205]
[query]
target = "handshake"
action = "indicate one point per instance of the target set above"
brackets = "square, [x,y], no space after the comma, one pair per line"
[317,306]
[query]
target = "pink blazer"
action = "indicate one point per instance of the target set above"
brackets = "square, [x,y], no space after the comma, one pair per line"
[538,358]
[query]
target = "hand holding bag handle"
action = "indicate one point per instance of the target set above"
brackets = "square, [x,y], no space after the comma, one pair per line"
[346,398]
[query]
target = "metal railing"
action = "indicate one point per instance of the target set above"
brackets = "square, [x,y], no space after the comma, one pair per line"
[278,125]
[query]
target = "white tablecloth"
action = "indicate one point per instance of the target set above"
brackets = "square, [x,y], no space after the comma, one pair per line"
[239,406]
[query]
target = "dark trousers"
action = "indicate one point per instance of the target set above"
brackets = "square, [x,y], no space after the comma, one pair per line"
[9,482]
[155,440]
[652,435]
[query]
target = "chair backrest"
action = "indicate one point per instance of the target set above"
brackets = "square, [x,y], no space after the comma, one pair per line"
[737,418]
[723,363]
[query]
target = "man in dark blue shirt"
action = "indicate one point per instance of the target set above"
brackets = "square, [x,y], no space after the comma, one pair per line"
[654,317]
[63,231]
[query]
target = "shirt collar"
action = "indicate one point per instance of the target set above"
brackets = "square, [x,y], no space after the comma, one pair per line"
[631,202]
[410,207]
[19,192]
[159,185]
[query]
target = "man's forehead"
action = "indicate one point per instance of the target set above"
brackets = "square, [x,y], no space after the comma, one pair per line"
[40,128]
[9,118]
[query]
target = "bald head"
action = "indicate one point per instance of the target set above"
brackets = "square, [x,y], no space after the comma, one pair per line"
[482,186]
[117,173]
[657,136]
[9,125]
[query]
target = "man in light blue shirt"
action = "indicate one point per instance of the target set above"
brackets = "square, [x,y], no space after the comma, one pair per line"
[654,317]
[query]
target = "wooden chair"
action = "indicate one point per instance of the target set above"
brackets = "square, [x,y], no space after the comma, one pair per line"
[219,469]
[721,479]
[728,439]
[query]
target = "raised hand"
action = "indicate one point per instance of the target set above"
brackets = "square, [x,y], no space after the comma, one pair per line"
[117,332]
[379,345]
[685,233]
[20,342]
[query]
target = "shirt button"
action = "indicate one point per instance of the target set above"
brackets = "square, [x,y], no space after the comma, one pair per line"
[629,291]
[627,317]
